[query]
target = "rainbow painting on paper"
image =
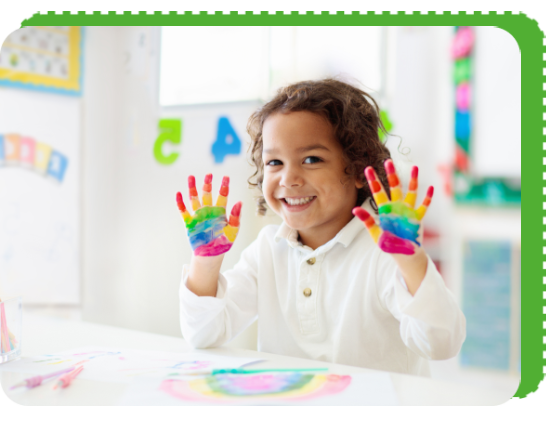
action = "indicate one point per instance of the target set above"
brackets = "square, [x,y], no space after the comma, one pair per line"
[230,388]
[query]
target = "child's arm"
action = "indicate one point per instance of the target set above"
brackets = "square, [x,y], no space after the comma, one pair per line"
[210,234]
[215,307]
[399,224]
[431,324]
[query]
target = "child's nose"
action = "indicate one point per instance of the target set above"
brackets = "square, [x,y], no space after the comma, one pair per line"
[291,178]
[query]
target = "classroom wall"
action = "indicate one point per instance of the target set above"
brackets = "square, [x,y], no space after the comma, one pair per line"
[135,243]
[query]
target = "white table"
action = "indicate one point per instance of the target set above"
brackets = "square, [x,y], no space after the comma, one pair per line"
[49,335]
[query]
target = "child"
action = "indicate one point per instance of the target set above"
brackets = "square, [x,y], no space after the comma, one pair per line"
[320,285]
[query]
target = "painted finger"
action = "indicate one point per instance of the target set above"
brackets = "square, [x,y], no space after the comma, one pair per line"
[207,196]
[223,193]
[410,198]
[379,193]
[420,212]
[194,199]
[394,182]
[180,201]
[369,222]
[231,230]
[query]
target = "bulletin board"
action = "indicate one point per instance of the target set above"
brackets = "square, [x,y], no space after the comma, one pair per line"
[39,197]
[45,58]
[486,72]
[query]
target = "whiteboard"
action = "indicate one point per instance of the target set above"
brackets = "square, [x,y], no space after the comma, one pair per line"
[39,213]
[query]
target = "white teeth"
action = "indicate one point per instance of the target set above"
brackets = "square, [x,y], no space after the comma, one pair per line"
[297,202]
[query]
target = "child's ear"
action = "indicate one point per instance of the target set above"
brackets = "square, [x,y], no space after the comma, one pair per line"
[359,184]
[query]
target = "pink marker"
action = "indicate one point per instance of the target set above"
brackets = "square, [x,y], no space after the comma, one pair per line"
[37,380]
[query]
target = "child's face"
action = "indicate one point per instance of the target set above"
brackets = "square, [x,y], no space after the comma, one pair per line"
[304,180]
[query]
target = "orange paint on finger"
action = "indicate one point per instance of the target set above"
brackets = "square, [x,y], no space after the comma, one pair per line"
[180,202]
[235,215]
[224,186]
[191,185]
[208,187]
[393,180]
[375,187]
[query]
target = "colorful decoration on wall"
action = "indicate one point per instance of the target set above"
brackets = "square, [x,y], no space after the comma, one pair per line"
[387,124]
[222,388]
[45,58]
[467,188]
[26,152]
[170,131]
[227,143]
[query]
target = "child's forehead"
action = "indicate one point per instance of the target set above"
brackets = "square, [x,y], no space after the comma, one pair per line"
[297,129]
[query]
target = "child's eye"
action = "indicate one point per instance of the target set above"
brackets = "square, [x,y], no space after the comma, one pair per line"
[312,160]
[273,162]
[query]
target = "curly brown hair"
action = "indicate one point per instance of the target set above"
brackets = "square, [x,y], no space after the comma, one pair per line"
[354,115]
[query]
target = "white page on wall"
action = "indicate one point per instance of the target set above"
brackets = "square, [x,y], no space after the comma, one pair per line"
[39,196]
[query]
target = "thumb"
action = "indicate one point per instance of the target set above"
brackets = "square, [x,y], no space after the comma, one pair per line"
[367,219]
[231,230]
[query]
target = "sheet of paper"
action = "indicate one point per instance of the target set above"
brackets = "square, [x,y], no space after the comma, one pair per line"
[124,365]
[290,388]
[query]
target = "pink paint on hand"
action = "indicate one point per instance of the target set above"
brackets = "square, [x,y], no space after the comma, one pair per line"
[390,243]
[214,248]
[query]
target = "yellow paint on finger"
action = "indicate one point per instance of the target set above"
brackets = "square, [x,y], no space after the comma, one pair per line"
[375,232]
[380,198]
[396,194]
[420,212]
[221,201]
[195,203]
[207,199]
[230,232]
[410,198]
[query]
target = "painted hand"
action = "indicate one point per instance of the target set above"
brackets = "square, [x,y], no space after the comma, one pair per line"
[209,232]
[399,222]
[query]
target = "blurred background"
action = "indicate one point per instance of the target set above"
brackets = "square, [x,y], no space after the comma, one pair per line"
[101,126]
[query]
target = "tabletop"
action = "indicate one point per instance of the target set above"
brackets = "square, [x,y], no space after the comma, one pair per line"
[50,335]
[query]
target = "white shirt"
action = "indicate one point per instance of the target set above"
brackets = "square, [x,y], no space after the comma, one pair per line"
[359,312]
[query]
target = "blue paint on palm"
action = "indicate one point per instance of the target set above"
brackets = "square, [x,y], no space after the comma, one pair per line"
[401,227]
[206,231]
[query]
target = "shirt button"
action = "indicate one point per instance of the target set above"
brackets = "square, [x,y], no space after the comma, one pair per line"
[307,292]
[311,262]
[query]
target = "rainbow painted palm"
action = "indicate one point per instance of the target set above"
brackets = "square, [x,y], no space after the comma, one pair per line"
[399,222]
[231,387]
[209,232]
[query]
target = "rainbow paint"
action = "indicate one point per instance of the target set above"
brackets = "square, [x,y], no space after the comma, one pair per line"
[227,388]
[399,223]
[209,231]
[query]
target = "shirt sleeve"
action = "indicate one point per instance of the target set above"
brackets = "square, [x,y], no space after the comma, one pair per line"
[431,322]
[208,322]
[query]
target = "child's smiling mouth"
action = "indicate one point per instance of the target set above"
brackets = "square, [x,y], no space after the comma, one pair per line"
[296,204]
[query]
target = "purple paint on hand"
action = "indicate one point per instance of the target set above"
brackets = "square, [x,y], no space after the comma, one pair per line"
[392,244]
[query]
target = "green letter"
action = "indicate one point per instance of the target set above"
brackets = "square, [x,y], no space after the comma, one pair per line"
[171,131]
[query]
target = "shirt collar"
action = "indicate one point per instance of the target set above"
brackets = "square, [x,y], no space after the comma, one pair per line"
[344,236]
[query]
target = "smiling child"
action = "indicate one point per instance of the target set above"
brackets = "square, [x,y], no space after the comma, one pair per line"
[324,284]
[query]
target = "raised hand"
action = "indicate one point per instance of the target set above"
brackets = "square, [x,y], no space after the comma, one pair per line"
[399,222]
[209,232]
